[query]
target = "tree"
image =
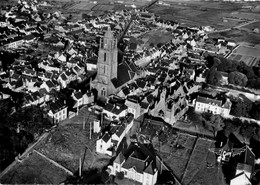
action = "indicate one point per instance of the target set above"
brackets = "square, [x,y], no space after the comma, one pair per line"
[241,108]
[231,126]
[255,111]
[254,83]
[237,78]
[214,77]
[120,175]
[247,130]
[245,69]
[213,122]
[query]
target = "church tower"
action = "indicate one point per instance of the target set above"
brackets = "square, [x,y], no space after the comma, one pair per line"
[106,65]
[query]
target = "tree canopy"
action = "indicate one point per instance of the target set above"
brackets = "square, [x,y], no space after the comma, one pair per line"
[214,77]
[237,78]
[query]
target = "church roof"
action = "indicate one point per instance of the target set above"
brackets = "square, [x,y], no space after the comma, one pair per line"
[124,75]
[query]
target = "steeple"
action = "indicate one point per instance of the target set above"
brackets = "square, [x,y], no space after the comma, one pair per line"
[109,34]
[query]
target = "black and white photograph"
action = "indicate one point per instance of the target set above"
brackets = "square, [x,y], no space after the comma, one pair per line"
[130,92]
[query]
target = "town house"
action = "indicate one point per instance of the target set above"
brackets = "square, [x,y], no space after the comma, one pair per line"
[205,104]
[58,111]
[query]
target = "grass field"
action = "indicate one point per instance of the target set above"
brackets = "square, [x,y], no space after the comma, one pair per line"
[238,36]
[155,37]
[83,6]
[35,170]
[177,158]
[196,171]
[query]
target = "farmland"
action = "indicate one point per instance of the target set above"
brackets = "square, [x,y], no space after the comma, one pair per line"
[220,15]
[249,55]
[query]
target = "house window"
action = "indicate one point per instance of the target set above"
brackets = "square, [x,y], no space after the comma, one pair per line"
[64,111]
[60,113]
[125,173]
[105,57]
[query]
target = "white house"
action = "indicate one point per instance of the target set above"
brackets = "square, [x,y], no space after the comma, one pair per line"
[110,140]
[63,80]
[78,97]
[140,166]
[205,104]
[58,111]
[240,179]
[88,98]
[133,106]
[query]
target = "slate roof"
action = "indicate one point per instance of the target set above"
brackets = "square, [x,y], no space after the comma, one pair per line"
[120,158]
[63,77]
[207,100]
[50,84]
[120,130]
[141,83]
[106,137]
[135,163]
[150,169]
[125,90]
[57,106]
[78,95]
[124,75]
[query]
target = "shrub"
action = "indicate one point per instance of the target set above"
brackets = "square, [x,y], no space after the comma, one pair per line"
[120,175]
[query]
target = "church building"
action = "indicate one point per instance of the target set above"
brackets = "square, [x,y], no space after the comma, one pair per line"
[111,76]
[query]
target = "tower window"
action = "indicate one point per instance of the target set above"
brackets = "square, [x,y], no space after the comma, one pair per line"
[105,57]
[103,92]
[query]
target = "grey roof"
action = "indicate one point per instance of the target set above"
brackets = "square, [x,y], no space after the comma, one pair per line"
[207,100]
[120,158]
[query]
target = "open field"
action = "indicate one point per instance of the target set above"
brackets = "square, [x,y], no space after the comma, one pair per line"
[201,13]
[70,142]
[83,6]
[155,37]
[35,170]
[249,55]
[198,157]
[177,157]
[238,36]
[251,27]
